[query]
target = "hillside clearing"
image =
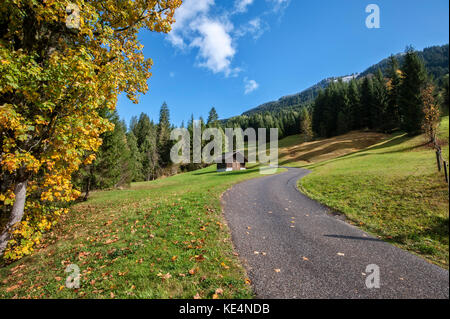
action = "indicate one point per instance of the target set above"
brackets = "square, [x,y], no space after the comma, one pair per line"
[294,153]
[392,190]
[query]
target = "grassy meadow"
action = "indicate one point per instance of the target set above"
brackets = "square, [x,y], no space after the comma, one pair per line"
[393,190]
[159,239]
[168,239]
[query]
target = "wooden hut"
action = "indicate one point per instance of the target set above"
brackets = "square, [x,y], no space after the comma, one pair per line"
[231,161]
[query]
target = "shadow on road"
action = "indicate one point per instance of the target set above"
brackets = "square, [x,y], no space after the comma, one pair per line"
[353,237]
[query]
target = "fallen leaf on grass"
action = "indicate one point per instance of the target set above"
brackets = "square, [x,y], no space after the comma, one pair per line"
[199,257]
[193,271]
[219,291]
[224,265]
[248,281]
[164,277]
[215,296]
[9,289]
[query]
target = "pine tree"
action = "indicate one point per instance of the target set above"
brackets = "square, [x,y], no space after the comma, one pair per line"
[379,109]
[354,101]
[410,99]
[213,118]
[110,168]
[367,103]
[135,159]
[317,113]
[163,136]
[145,132]
[342,106]
[392,118]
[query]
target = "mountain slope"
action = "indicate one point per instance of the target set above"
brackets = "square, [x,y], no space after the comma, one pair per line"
[436,59]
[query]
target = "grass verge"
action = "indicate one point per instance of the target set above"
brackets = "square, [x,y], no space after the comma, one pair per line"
[393,190]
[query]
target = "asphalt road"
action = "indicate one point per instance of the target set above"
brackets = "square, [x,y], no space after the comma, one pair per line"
[293,247]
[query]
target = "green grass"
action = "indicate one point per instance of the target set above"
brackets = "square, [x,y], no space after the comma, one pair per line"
[443,136]
[160,239]
[393,190]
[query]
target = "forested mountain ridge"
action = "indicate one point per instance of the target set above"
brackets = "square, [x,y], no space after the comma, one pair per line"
[436,60]
[293,100]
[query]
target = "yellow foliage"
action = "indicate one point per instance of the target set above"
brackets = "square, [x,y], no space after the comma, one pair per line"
[53,89]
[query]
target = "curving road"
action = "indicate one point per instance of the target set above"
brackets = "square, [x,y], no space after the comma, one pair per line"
[292,247]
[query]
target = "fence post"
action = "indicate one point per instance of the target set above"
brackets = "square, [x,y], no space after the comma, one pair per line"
[438,159]
[445,171]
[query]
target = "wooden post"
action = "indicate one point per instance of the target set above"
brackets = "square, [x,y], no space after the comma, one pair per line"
[438,159]
[445,171]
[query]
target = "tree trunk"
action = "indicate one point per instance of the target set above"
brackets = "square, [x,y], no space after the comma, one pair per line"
[88,188]
[16,214]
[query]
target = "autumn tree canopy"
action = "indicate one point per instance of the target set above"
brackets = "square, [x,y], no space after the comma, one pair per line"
[61,62]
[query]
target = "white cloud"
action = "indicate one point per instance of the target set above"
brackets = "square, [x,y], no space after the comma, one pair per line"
[241,5]
[279,5]
[255,27]
[202,26]
[250,85]
[189,10]
[215,45]
[196,28]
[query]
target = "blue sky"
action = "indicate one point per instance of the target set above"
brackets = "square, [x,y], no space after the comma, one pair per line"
[237,54]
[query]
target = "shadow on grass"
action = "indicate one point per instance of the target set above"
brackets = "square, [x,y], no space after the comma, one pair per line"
[219,174]
[438,230]
[397,139]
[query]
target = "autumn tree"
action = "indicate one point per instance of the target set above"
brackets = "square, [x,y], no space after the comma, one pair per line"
[306,124]
[61,62]
[431,113]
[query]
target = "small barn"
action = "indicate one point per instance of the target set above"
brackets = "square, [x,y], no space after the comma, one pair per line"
[231,161]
